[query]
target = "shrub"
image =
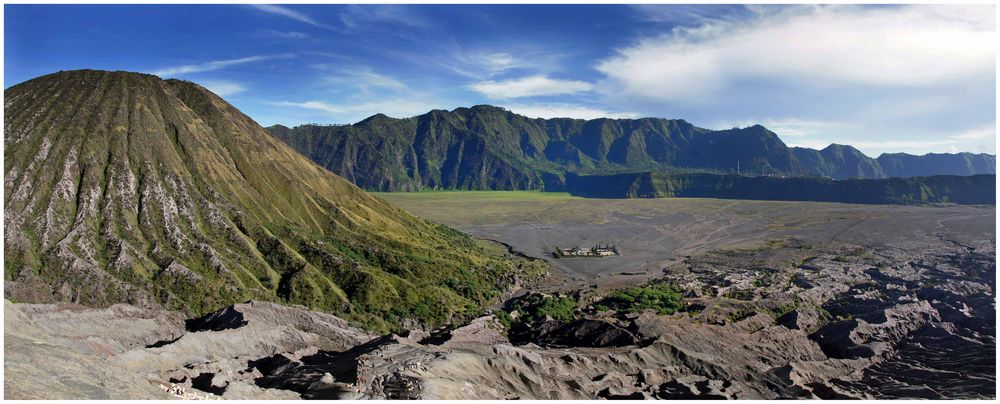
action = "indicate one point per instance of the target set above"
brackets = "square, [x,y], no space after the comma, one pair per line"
[535,307]
[660,297]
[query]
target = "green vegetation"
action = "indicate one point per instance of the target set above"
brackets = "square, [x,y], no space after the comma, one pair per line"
[504,318]
[534,307]
[662,298]
[739,294]
[762,281]
[784,309]
[740,314]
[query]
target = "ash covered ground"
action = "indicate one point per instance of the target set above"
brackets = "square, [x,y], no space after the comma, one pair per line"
[777,300]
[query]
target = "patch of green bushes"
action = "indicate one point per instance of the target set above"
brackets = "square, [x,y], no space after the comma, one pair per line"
[740,314]
[660,297]
[739,294]
[535,307]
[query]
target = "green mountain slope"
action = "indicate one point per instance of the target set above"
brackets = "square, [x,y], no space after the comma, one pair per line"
[122,187]
[975,189]
[487,147]
[838,161]
[908,165]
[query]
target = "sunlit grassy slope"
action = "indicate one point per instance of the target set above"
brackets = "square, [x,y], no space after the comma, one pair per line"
[122,187]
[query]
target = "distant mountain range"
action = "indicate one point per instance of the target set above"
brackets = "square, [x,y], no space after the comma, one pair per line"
[487,147]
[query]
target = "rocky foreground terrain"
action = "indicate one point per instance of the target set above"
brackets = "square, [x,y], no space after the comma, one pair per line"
[784,319]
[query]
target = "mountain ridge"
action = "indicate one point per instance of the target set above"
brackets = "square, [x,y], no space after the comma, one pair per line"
[488,147]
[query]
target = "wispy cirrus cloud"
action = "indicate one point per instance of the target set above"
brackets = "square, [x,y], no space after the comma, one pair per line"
[223,88]
[564,110]
[687,15]
[486,63]
[214,65]
[483,64]
[350,112]
[289,13]
[356,16]
[532,86]
[275,34]
[366,80]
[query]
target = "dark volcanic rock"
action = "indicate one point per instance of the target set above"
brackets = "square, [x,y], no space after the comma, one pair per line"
[588,333]
[801,319]
[225,319]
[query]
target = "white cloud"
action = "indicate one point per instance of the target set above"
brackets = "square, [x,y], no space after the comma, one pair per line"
[566,111]
[685,14]
[316,105]
[496,63]
[531,86]
[366,79]
[484,63]
[791,127]
[350,112]
[373,14]
[213,65]
[406,107]
[981,138]
[809,144]
[873,148]
[980,133]
[909,46]
[898,145]
[223,88]
[275,34]
[289,13]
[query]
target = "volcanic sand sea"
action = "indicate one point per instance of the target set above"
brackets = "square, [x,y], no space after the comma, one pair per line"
[654,233]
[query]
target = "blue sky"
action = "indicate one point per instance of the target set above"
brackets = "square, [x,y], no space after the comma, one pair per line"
[914,79]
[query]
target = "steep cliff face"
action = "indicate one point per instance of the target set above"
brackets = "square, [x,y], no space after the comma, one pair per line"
[438,150]
[122,187]
[908,165]
[839,161]
[487,147]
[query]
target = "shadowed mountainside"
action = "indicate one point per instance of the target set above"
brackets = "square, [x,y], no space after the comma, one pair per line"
[967,190]
[125,188]
[486,147]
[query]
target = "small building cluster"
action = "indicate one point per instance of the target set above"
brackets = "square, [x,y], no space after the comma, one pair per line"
[606,250]
[179,392]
